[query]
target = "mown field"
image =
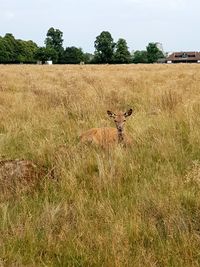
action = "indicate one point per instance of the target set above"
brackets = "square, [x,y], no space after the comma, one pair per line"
[123,206]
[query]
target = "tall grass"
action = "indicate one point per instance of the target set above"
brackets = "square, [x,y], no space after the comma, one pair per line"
[133,206]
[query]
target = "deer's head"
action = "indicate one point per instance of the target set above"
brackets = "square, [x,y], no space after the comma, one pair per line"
[120,118]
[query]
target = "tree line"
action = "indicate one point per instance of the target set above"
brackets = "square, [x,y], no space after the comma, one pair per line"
[106,51]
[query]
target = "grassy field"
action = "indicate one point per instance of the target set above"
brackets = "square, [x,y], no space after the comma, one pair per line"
[126,206]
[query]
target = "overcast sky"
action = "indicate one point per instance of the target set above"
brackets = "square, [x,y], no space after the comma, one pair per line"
[174,23]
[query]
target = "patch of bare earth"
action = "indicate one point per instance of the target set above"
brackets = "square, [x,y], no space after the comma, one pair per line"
[17,176]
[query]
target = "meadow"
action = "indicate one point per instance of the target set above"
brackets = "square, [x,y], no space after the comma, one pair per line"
[123,206]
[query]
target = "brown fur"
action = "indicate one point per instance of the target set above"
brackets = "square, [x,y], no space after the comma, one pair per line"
[107,136]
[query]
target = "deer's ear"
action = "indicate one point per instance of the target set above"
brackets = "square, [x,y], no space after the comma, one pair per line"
[111,114]
[128,113]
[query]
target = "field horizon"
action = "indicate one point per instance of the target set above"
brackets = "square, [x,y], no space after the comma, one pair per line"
[137,205]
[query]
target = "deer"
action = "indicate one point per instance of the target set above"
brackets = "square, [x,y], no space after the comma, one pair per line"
[107,136]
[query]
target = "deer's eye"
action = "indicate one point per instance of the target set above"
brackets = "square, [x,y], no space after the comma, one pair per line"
[124,120]
[115,120]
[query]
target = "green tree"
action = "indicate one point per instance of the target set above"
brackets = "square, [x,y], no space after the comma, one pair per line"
[11,47]
[54,41]
[88,57]
[14,51]
[153,53]
[104,48]
[73,55]
[122,54]
[4,53]
[43,54]
[26,51]
[140,57]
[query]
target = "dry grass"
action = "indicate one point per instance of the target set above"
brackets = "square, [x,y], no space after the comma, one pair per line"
[133,206]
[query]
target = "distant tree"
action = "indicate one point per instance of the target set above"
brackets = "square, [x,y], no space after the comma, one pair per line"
[43,54]
[54,38]
[122,54]
[54,41]
[104,48]
[73,55]
[140,57]
[4,53]
[153,53]
[14,51]
[88,57]
[11,47]
[26,51]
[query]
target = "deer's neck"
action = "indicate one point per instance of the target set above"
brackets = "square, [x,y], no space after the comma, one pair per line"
[120,136]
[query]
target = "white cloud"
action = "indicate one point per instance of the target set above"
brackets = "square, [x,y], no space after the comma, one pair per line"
[159,3]
[9,15]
